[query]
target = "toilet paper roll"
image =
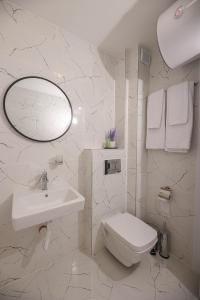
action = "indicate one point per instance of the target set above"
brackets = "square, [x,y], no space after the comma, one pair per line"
[162,199]
[166,194]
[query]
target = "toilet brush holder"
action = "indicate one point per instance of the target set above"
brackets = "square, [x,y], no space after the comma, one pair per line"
[164,243]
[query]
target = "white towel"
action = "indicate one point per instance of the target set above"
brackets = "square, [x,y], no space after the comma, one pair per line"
[177,103]
[155,137]
[154,109]
[179,121]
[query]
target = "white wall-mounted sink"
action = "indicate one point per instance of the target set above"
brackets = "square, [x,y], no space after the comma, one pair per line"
[33,208]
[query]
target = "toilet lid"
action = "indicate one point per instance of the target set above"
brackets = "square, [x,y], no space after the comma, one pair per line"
[133,231]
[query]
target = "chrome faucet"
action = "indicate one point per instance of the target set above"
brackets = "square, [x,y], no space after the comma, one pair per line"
[44,180]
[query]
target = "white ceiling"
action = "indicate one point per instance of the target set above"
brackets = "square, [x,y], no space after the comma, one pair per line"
[138,26]
[90,19]
[109,24]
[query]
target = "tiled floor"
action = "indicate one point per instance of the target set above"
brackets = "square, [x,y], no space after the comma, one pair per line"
[100,279]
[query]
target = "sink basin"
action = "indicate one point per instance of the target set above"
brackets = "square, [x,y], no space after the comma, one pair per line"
[33,208]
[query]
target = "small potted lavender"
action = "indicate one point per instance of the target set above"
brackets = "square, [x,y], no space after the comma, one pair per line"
[110,139]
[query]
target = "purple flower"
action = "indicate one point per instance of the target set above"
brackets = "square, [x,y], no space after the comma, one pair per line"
[111,135]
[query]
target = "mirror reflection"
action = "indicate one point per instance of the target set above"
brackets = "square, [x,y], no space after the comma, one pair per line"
[38,109]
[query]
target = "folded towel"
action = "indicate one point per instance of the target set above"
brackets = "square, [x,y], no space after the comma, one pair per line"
[177,103]
[179,131]
[155,136]
[154,109]
[176,150]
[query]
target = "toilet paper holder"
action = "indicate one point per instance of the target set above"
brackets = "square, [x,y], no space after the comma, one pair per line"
[165,193]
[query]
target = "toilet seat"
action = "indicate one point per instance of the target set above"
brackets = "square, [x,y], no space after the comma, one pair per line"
[136,234]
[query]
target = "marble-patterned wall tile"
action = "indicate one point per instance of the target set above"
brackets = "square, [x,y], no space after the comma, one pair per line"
[153,169]
[85,187]
[132,107]
[196,207]
[105,194]
[29,45]
[173,169]
[120,100]
[143,88]
[108,192]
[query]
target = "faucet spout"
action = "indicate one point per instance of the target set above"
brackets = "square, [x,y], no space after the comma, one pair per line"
[44,180]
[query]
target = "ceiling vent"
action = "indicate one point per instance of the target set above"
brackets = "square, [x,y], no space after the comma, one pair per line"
[145,56]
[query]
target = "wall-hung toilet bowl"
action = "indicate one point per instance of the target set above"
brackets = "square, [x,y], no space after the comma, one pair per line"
[128,238]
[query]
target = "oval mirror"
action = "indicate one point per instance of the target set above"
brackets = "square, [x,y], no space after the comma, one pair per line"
[38,109]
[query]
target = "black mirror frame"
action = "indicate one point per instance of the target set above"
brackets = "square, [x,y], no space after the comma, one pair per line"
[4,108]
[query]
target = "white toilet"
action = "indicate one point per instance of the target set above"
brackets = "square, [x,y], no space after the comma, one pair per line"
[128,238]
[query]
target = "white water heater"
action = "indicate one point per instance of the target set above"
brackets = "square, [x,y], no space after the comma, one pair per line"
[178,32]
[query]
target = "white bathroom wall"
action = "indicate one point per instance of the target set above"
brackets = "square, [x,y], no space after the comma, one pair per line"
[173,169]
[31,46]
[132,108]
[141,179]
[85,188]
[196,239]
[105,194]
[120,96]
